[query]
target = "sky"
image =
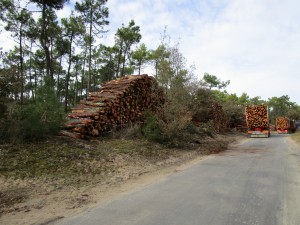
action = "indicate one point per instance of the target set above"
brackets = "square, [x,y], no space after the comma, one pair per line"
[253,43]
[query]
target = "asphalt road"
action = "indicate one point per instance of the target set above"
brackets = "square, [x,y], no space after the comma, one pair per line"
[254,183]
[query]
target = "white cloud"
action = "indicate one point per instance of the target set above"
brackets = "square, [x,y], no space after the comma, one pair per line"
[253,43]
[64,12]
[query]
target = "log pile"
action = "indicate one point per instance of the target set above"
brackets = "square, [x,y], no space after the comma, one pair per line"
[285,124]
[215,113]
[119,102]
[257,116]
[282,123]
[218,117]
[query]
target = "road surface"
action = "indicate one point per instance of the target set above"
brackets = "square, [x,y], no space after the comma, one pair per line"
[256,182]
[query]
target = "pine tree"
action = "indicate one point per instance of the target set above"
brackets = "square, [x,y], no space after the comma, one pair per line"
[94,14]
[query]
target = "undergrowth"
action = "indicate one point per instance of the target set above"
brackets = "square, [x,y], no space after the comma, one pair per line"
[62,162]
[296,136]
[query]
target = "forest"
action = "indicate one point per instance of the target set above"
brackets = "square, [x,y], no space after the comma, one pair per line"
[55,62]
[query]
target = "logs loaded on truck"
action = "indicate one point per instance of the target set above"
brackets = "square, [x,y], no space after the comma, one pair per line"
[118,103]
[284,125]
[257,119]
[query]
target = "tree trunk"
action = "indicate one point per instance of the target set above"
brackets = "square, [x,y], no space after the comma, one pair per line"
[119,59]
[140,65]
[44,42]
[83,73]
[76,86]
[123,65]
[90,48]
[68,75]
[21,66]
[35,83]
[58,79]
[30,70]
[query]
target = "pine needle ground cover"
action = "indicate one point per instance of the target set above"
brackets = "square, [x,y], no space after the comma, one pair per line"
[27,170]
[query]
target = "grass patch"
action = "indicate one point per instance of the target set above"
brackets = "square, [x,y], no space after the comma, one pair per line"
[63,158]
[296,136]
[10,197]
[43,160]
[59,159]
[28,169]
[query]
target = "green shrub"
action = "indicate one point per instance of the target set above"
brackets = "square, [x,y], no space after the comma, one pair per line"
[151,128]
[32,121]
[192,129]
[28,123]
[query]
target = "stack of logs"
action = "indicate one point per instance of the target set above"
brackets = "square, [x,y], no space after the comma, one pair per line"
[119,102]
[215,113]
[257,116]
[282,123]
[218,116]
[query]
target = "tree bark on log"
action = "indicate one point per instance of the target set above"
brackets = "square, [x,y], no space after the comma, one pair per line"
[118,103]
[257,116]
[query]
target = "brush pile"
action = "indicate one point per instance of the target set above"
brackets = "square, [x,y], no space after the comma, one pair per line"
[214,113]
[218,116]
[119,103]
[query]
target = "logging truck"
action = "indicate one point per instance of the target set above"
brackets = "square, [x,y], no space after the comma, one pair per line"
[257,120]
[285,126]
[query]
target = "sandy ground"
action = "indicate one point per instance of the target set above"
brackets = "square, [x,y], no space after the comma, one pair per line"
[46,205]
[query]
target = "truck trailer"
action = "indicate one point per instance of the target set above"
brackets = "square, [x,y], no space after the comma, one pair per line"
[257,120]
[285,126]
